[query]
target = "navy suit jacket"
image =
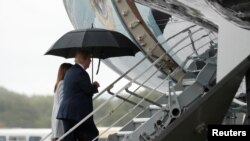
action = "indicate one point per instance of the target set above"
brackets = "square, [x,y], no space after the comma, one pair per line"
[78,92]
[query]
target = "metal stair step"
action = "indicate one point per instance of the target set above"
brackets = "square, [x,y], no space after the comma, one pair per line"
[122,133]
[140,120]
[154,107]
[188,81]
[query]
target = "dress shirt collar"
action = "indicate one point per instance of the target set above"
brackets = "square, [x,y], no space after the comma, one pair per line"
[81,66]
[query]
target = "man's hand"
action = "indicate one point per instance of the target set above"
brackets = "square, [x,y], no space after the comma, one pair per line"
[96,84]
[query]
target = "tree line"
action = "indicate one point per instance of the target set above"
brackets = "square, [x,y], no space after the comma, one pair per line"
[19,110]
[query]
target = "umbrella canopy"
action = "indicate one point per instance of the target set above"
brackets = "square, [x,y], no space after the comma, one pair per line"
[101,43]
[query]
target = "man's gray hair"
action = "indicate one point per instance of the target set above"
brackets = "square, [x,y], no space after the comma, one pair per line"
[81,55]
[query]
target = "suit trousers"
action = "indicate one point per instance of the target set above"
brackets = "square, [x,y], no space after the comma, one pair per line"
[85,132]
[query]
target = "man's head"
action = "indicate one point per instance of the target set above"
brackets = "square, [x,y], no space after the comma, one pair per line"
[83,58]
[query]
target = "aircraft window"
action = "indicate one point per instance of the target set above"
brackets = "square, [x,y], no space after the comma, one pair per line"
[17,138]
[2,138]
[35,138]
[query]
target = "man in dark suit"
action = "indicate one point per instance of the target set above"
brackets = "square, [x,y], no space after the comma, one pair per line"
[77,101]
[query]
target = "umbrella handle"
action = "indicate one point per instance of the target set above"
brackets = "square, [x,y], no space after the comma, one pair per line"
[99,62]
[92,70]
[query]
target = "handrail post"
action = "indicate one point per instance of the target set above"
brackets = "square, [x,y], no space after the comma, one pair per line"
[192,42]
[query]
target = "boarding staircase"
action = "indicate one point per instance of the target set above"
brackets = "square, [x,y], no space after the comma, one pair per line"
[150,123]
[159,114]
[199,82]
[154,119]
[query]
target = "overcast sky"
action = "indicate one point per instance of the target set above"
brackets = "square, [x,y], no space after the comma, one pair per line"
[27,30]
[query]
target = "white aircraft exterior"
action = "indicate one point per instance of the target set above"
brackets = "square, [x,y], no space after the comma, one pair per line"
[189,53]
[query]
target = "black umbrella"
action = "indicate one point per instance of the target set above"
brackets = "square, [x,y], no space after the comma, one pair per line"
[101,43]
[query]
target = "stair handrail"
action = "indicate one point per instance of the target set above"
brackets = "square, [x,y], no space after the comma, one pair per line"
[44,138]
[119,78]
[159,43]
[178,33]
[184,38]
[153,64]
[120,97]
[141,97]
[203,36]
[203,45]
[171,37]
[117,106]
[189,56]
[131,110]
